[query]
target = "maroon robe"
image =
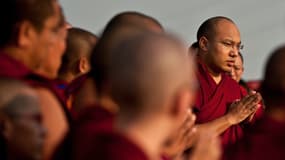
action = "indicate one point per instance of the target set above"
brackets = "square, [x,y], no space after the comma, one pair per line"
[264,141]
[78,143]
[113,146]
[96,123]
[214,99]
[91,121]
[12,68]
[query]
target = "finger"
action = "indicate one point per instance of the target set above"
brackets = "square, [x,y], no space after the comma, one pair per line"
[249,101]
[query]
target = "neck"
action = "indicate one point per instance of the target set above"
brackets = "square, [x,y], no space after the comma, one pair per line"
[214,73]
[20,56]
[67,77]
[217,77]
[146,134]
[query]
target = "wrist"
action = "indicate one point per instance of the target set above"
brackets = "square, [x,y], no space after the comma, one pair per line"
[229,119]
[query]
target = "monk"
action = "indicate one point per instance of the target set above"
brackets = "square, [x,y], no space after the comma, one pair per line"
[265,140]
[151,109]
[22,130]
[75,63]
[28,32]
[221,105]
[76,59]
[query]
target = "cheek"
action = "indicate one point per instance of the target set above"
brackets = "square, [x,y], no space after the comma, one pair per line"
[239,73]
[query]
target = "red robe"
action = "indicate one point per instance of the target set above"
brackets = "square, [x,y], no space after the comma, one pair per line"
[264,141]
[92,121]
[79,142]
[12,68]
[214,99]
[113,146]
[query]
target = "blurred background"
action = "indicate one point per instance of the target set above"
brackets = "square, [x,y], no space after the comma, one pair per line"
[261,22]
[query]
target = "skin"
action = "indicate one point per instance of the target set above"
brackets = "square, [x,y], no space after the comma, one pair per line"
[54,117]
[237,70]
[21,121]
[49,68]
[25,133]
[220,50]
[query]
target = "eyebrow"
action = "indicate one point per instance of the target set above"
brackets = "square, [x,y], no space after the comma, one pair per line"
[232,41]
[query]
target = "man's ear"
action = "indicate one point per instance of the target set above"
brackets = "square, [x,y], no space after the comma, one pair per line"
[5,127]
[204,43]
[26,34]
[83,65]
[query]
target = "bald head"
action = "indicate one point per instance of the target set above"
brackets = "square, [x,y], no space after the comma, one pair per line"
[273,86]
[147,71]
[14,88]
[208,27]
[134,19]
[122,26]
[79,44]
[20,117]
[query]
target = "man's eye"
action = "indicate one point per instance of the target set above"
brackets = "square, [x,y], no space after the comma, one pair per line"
[227,43]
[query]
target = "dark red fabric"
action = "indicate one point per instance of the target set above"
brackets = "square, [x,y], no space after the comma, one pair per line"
[76,84]
[78,142]
[14,69]
[254,84]
[61,88]
[113,146]
[92,121]
[264,141]
[214,99]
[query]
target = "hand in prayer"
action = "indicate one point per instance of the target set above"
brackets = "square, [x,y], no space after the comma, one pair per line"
[181,138]
[207,147]
[242,109]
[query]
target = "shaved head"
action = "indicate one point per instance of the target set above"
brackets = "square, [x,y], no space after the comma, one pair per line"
[208,27]
[273,86]
[22,133]
[14,88]
[148,70]
[122,26]
[134,19]
[79,43]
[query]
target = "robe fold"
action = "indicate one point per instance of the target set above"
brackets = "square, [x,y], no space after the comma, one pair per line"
[91,121]
[12,68]
[265,140]
[114,146]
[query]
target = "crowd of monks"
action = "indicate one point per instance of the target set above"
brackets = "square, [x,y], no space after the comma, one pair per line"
[134,92]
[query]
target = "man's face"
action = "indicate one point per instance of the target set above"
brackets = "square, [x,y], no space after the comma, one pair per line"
[50,42]
[223,47]
[237,69]
[26,133]
[51,64]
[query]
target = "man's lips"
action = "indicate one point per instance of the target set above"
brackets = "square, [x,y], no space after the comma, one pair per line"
[230,62]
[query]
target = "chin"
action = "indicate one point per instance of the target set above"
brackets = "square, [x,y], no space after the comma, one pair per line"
[227,69]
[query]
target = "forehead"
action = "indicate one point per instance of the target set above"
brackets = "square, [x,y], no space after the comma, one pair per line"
[57,18]
[225,29]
